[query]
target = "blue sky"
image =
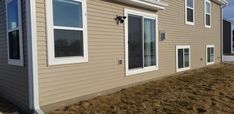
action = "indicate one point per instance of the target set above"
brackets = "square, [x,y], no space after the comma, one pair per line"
[229,10]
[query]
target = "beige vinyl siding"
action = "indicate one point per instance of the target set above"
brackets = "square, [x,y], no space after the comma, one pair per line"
[13,79]
[172,20]
[106,47]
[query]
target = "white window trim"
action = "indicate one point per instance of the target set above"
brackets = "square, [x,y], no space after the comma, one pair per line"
[182,47]
[207,1]
[16,62]
[210,46]
[50,37]
[186,21]
[145,69]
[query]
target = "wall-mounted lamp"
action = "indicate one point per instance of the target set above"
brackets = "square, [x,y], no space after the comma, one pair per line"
[120,19]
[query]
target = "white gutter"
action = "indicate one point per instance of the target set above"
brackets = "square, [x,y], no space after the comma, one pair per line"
[224,2]
[32,56]
[226,19]
[222,6]
[221,2]
[221,30]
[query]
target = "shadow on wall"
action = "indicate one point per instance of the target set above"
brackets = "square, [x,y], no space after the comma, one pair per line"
[6,107]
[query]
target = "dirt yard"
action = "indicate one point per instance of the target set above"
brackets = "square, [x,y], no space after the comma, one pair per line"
[203,91]
[206,91]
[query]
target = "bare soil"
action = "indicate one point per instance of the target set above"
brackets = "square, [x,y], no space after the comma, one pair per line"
[203,91]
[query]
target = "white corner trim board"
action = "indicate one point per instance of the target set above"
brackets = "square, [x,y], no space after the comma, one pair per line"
[32,57]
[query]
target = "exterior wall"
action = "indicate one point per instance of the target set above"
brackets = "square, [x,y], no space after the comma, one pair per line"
[13,79]
[227,26]
[106,47]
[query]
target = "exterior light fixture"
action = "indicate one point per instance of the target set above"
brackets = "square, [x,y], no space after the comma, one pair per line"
[120,19]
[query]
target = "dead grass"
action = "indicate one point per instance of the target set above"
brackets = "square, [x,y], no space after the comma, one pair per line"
[208,90]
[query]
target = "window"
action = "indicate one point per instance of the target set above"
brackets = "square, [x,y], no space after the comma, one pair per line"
[207,16]
[141,42]
[189,12]
[14,32]
[182,58]
[67,34]
[210,54]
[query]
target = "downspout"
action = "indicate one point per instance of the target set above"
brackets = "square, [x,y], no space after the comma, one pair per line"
[231,38]
[32,57]
[221,30]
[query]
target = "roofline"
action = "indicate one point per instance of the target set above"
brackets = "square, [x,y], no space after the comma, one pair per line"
[221,2]
[229,20]
[152,5]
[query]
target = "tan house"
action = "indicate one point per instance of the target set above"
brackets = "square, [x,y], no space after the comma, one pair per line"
[56,52]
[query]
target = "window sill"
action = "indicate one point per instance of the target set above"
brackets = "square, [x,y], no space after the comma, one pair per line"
[210,63]
[182,69]
[141,70]
[206,26]
[67,60]
[15,62]
[189,23]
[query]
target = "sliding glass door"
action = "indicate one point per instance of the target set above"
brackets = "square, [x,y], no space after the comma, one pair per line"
[135,51]
[149,42]
[141,42]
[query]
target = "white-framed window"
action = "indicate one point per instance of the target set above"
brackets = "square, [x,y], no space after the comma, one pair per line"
[210,54]
[189,12]
[14,33]
[207,13]
[67,31]
[183,58]
[141,42]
